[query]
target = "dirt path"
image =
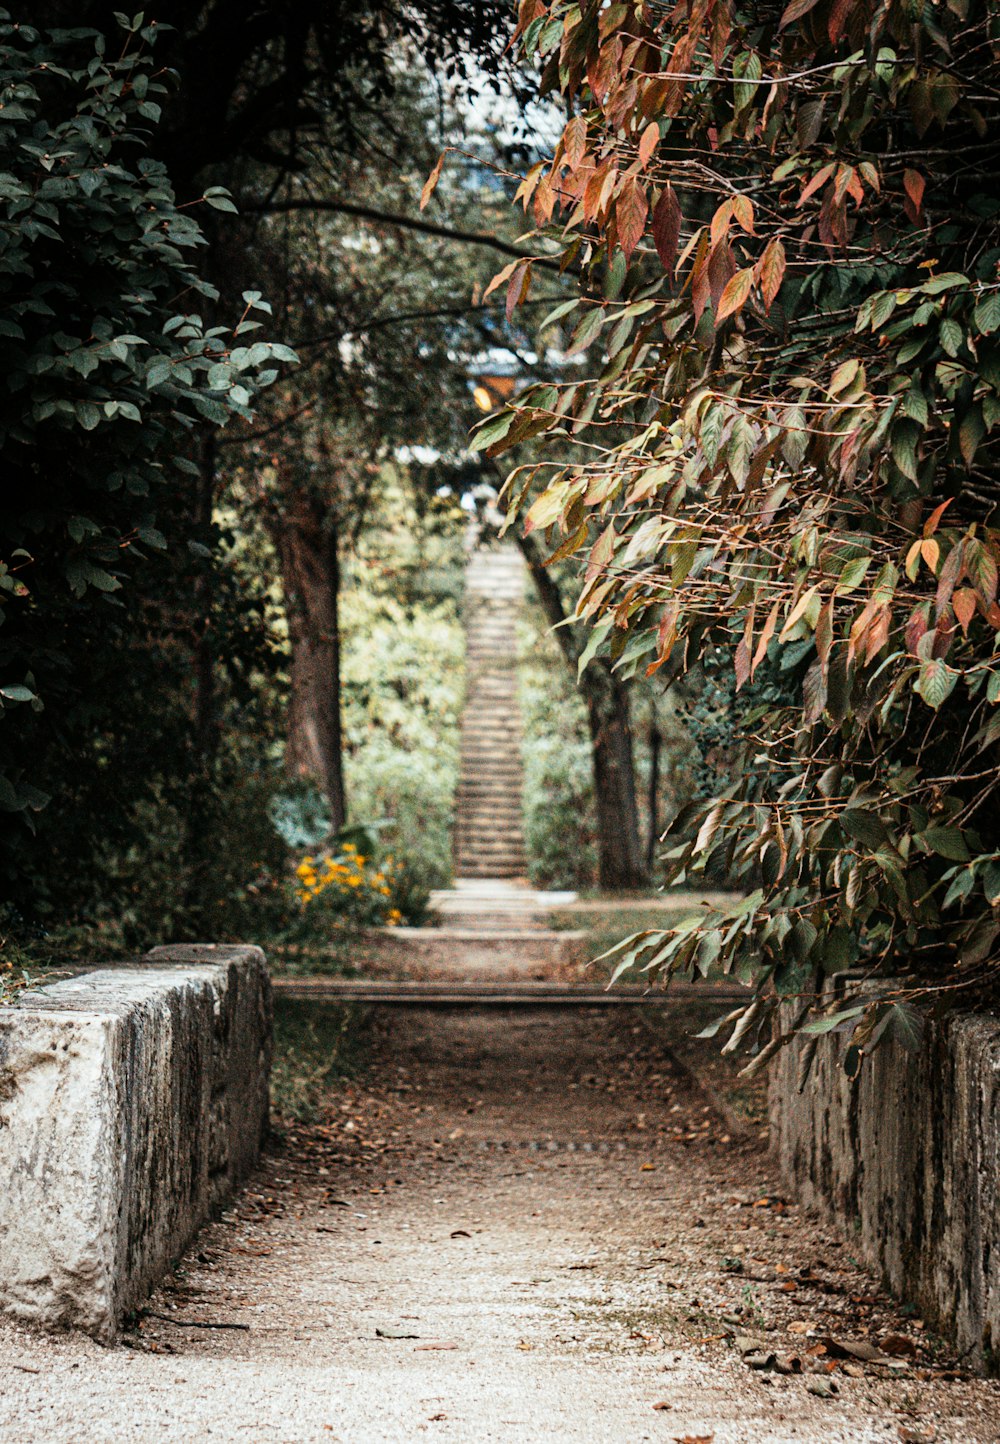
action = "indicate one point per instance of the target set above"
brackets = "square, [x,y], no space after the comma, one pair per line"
[520,1228]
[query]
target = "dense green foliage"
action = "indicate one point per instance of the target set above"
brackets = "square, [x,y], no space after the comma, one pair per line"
[404,677]
[559,820]
[106,368]
[785,225]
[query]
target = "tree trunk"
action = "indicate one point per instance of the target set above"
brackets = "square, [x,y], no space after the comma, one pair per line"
[655,744]
[305,535]
[621,864]
[620,861]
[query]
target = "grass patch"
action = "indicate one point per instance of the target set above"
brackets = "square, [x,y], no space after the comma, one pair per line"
[611,924]
[316,1047]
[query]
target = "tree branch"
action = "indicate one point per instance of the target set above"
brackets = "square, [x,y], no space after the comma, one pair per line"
[564,631]
[410,223]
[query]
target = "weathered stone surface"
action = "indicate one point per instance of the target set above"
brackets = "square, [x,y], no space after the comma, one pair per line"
[133,1101]
[468,952]
[908,1155]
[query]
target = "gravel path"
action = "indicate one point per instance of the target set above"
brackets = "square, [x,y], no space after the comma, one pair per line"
[517,1227]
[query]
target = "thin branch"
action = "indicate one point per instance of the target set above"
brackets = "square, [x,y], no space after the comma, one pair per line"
[411,223]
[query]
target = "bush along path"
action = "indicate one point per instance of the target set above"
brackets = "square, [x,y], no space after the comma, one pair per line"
[508,1228]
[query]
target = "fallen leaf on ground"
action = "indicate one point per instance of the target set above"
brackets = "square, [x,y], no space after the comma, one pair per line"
[662,1404]
[460,1233]
[394,1334]
[898,1345]
[823,1388]
[435,1344]
[799,1326]
[693,1438]
[850,1349]
[909,1434]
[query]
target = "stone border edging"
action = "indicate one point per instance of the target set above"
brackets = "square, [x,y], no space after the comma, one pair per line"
[133,1102]
[908,1155]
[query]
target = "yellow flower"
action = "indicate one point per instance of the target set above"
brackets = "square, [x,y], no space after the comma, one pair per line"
[395,918]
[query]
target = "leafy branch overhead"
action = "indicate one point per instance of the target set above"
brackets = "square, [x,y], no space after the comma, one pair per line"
[786,451]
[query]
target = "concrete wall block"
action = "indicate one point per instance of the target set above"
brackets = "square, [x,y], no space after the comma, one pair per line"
[907,1158]
[133,1101]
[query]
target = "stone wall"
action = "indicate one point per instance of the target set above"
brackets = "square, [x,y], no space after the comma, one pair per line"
[133,1101]
[907,1158]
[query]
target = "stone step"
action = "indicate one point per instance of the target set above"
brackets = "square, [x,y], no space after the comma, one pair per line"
[502,817]
[504,805]
[482,853]
[507,812]
[507,862]
[492,835]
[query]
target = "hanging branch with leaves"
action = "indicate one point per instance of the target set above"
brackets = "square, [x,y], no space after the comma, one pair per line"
[786,453]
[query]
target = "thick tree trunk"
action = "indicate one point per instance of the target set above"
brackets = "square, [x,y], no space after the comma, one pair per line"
[305,535]
[621,863]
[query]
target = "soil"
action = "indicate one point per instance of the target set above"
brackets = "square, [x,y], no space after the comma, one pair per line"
[514,1226]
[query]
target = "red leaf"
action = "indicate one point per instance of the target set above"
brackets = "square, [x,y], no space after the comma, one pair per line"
[931,524]
[915,185]
[743,213]
[796,10]
[649,141]
[630,212]
[822,175]
[575,140]
[840,12]
[964,606]
[771,270]
[667,228]
[735,293]
[431,182]
[517,288]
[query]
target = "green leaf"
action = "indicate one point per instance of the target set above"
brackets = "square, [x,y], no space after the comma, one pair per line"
[952,336]
[864,826]
[991,883]
[936,682]
[598,636]
[987,313]
[947,842]
[905,1025]
[833,1020]
[494,429]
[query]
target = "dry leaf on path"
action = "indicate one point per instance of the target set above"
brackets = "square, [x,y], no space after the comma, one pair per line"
[460,1233]
[394,1334]
[909,1434]
[822,1387]
[435,1344]
[853,1349]
[898,1345]
[693,1438]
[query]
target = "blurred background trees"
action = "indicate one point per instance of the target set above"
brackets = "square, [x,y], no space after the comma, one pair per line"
[239,365]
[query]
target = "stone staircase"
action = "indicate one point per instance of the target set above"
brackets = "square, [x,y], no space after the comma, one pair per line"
[491,926]
[489,837]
